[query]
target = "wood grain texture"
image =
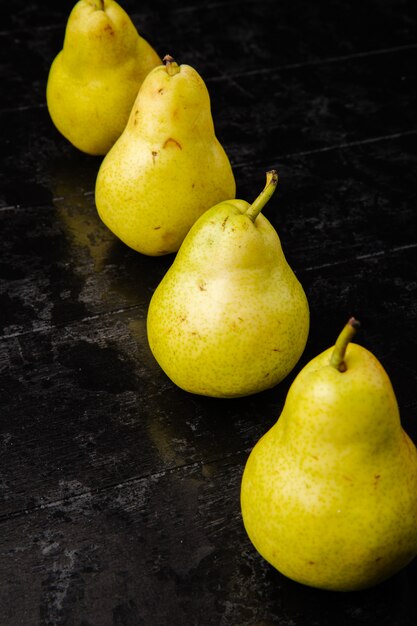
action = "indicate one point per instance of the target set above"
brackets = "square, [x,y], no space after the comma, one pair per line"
[119,492]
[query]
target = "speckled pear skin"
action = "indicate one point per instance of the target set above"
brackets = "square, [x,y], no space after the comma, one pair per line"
[167,167]
[329,494]
[94,80]
[229,318]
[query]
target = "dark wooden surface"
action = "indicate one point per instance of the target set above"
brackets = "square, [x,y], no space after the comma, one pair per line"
[120,492]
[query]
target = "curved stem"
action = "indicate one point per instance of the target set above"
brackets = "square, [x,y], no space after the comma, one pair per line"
[337,359]
[171,65]
[256,207]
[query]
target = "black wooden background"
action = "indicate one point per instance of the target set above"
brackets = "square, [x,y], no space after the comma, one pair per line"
[120,492]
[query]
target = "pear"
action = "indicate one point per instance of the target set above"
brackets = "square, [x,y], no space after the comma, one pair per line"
[229,318]
[167,167]
[329,493]
[94,80]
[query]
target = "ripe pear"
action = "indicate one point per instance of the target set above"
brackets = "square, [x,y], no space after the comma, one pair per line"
[94,80]
[229,318]
[167,167]
[329,494]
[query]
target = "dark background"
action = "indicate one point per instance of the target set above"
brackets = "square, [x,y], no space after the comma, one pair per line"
[120,492]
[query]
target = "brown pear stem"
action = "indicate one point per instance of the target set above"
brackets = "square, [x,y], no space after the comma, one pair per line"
[171,65]
[337,359]
[256,207]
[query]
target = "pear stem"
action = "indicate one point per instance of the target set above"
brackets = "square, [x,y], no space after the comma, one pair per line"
[337,359]
[256,207]
[171,65]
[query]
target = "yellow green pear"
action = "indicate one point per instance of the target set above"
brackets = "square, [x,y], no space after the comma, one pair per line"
[229,318]
[329,494]
[167,167]
[94,80]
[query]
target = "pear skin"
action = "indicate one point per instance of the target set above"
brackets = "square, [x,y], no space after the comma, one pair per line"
[229,318]
[94,80]
[167,167]
[329,494]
